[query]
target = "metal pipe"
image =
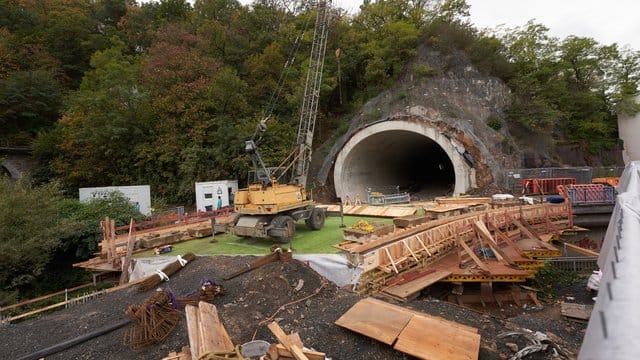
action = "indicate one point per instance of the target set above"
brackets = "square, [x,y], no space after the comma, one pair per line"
[72,342]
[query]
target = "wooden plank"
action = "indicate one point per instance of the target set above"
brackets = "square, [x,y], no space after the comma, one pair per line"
[282,351]
[576,311]
[284,340]
[376,211]
[437,340]
[581,250]
[375,319]
[464,200]
[124,276]
[414,286]
[193,329]
[213,335]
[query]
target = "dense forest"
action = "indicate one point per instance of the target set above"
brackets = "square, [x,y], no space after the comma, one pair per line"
[116,92]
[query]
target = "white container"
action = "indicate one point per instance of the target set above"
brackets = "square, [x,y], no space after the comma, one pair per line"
[207,194]
[138,195]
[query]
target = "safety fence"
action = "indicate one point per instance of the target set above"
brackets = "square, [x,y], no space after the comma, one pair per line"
[544,186]
[387,195]
[581,194]
[513,178]
[574,263]
[382,199]
[173,219]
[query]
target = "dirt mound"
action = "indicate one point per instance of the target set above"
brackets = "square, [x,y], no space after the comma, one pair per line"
[290,293]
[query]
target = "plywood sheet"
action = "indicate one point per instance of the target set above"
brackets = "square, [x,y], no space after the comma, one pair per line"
[436,339]
[576,311]
[375,319]
[412,287]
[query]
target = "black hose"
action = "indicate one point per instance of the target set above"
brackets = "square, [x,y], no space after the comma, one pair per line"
[72,342]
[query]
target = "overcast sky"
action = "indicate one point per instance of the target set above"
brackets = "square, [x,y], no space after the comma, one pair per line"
[607,21]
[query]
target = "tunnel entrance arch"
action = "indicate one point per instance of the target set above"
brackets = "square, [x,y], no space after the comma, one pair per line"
[408,154]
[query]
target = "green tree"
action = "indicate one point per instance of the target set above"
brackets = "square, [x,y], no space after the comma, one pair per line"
[107,117]
[29,101]
[32,227]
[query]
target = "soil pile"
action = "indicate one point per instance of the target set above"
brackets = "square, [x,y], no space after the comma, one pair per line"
[292,294]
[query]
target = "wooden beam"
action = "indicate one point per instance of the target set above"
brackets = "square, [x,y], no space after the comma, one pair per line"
[423,246]
[282,351]
[525,230]
[213,335]
[473,256]
[386,250]
[404,242]
[484,232]
[581,250]
[124,276]
[193,329]
[506,239]
[284,340]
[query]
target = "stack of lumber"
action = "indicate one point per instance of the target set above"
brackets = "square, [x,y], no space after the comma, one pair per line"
[418,334]
[206,332]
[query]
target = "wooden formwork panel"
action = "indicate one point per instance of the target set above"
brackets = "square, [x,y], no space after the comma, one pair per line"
[514,244]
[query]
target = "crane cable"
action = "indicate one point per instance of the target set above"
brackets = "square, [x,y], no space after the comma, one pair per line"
[283,76]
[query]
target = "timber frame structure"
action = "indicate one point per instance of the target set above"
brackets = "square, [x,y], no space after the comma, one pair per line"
[498,245]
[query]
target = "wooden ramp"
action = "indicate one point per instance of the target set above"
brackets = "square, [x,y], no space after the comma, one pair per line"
[409,289]
[418,334]
[374,211]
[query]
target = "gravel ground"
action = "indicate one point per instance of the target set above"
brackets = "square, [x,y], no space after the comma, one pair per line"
[259,296]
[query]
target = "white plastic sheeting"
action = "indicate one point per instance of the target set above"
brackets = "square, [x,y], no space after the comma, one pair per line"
[334,267]
[614,326]
[142,267]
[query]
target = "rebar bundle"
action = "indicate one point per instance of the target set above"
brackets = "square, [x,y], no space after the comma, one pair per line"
[152,320]
[153,280]
[208,290]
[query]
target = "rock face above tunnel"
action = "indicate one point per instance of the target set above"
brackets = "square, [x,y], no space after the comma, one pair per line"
[449,107]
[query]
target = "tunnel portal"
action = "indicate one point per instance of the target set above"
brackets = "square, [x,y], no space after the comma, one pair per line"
[404,156]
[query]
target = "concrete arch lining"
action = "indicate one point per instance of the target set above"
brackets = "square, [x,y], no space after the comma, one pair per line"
[410,154]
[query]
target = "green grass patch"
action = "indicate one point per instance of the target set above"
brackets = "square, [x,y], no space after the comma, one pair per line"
[306,241]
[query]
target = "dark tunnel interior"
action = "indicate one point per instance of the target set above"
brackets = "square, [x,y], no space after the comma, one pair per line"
[400,158]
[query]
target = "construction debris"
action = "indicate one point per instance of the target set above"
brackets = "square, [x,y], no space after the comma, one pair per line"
[417,334]
[290,346]
[153,320]
[537,342]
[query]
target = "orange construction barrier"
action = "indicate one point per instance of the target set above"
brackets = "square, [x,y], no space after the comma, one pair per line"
[544,186]
[611,181]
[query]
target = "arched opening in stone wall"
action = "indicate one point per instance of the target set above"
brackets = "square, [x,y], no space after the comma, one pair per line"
[410,156]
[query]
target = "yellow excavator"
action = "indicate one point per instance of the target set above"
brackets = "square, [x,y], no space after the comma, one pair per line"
[271,204]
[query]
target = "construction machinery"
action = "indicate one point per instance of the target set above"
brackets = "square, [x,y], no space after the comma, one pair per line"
[278,197]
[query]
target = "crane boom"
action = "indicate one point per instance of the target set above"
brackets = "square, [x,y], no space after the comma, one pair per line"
[309,108]
[269,208]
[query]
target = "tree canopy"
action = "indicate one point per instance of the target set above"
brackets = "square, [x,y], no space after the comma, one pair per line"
[115,92]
